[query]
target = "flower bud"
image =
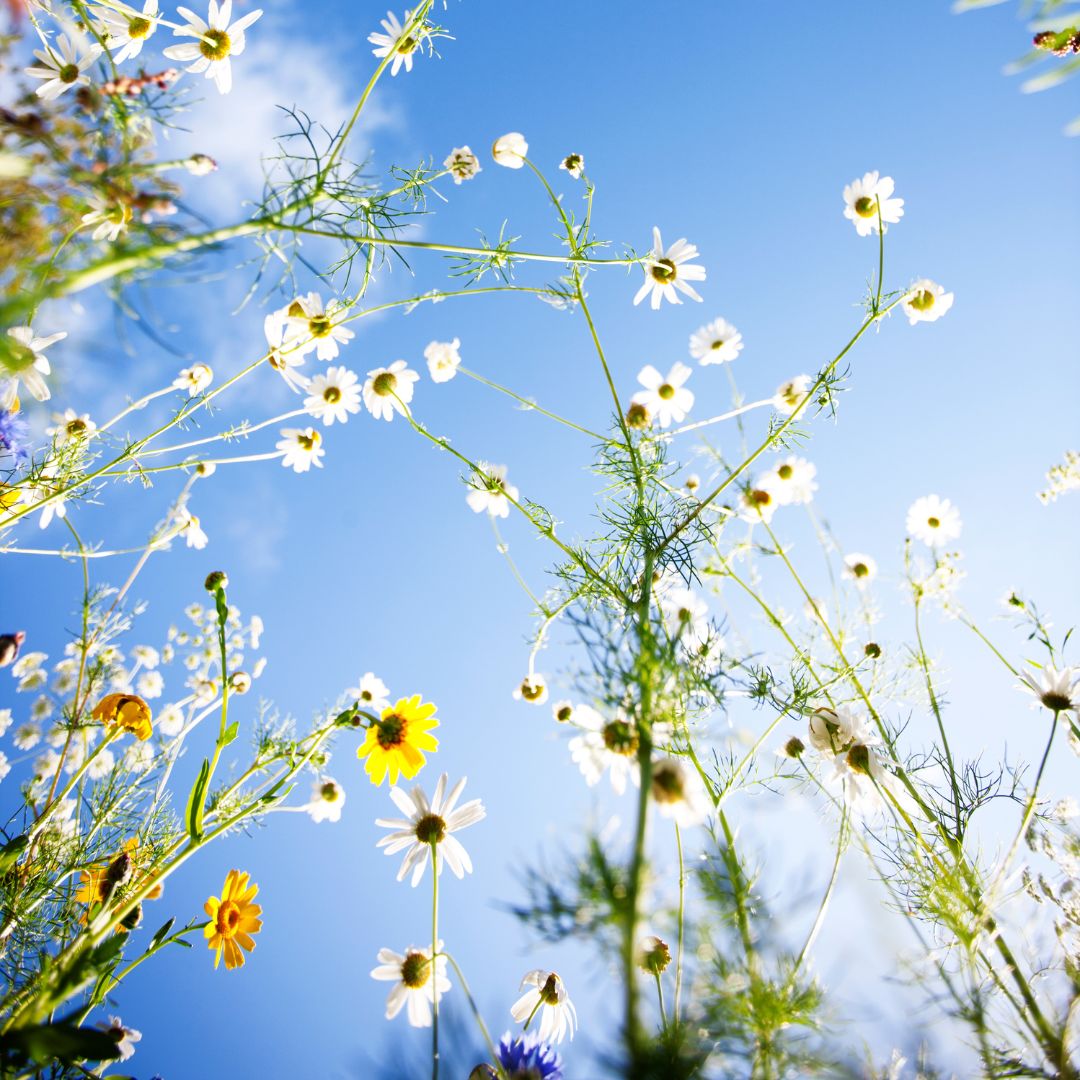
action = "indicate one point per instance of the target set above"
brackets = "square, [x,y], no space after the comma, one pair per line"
[655,956]
[216,579]
[794,747]
[119,871]
[239,682]
[858,759]
[872,649]
[637,417]
[483,1072]
[132,919]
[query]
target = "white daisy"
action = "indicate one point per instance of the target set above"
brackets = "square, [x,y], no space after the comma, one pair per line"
[667,400]
[533,689]
[429,825]
[28,662]
[678,793]
[26,736]
[42,709]
[510,150]
[125,1037]
[833,731]
[333,396]
[98,769]
[862,569]
[488,490]
[26,361]
[563,711]
[372,693]
[388,390]
[396,42]
[864,780]
[548,996]
[790,395]
[146,656]
[605,746]
[111,217]
[443,359]
[301,448]
[462,163]
[65,64]
[318,327]
[283,354]
[138,757]
[686,615]
[195,379]
[716,343]
[791,481]
[327,799]
[666,271]
[127,30]
[170,721]
[574,164]
[70,427]
[215,41]
[6,720]
[5,767]
[187,525]
[926,301]
[758,503]
[863,198]
[151,685]
[933,520]
[416,986]
[1055,688]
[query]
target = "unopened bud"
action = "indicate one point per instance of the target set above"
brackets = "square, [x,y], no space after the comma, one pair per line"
[872,649]
[133,918]
[239,682]
[119,870]
[794,747]
[216,579]
[637,417]
[655,956]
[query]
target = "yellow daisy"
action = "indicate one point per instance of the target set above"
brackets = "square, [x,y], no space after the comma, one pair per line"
[233,919]
[394,743]
[129,711]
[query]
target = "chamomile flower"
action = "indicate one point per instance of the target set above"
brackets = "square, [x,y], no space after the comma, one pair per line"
[862,569]
[510,150]
[678,793]
[333,396]
[429,827]
[396,42]
[668,270]
[462,163]
[574,164]
[868,198]
[533,689]
[301,448]
[563,711]
[234,919]
[686,615]
[419,983]
[834,731]
[1057,689]
[318,326]
[443,359]
[216,40]
[549,999]
[5,768]
[605,746]
[138,757]
[187,525]
[862,777]
[27,736]
[758,503]
[127,30]
[6,720]
[791,395]
[926,301]
[388,390]
[65,64]
[26,362]
[716,343]
[125,1037]
[488,490]
[371,692]
[666,400]
[933,520]
[195,379]
[791,481]
[283,354]
[110,217]
[151,684]
[395,743]
[327,799]
[146,656]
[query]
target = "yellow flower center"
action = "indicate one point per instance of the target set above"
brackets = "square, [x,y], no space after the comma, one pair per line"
[407,45]
[319,326]
[384,384]
[933,522]
[415,970]
[390,731]
[329,793]
[549,992]
[138,27]
[923,300]
[430,829]
[228,918]
[663,271]
[860,569]
[637,417]
[785,472]
[620,738]
[215,44]
[866,206]
[68,73]
[531,691]
[331,395]
[667,785]
[1056,702]
[760,497]
[718,343]
[564,714]
[666,391]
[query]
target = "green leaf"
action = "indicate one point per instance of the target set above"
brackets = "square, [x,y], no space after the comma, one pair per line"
[196,801]
[63,1041]
[230,733]
[10,852]
[275,794]
[161,935]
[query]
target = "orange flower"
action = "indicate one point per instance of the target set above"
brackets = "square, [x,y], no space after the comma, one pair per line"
[128,711]
[97,882]
[233,919]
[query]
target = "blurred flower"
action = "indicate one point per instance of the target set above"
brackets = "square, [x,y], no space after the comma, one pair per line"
[394,743]
[396,42]
[126,711]
[333,396]
[926,301]
[933,520]
[138,757]
[146,656]
[862,569]
[863,198]
[388,390]
[430,826]
[605,746]
[574,164]
[327,799]
[233,917]
[510,150]
[792,394]
[104,762]
[528,1057]
[215,41]
[12,435]
[151,684]
[65,65]
[758,504]
[26,361]
[678,793]
[716,343]
[665,399]
[195,379]
[462,163]
[415,984]
[26,736]
[126,32]
[791,481]
[563,711]
[443,359]
[187,525]
[5,768]
[371,693]
[533,689]
[558,1017]
[282,354]
[318,327]
[301,448]
[170,721]
[125,1037]
[110,217]
[666,271]
[488,490]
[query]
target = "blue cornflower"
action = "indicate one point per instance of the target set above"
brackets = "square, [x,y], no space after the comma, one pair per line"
[12,433]
[528,1058]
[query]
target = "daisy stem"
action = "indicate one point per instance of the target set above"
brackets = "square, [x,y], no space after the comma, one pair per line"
[240,432]
[434,960]
[823,907]
[681,928]
[660,998]
[504,550]
[667,435]
[477,1016]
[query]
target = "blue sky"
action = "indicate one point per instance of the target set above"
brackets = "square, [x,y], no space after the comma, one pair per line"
[735,125]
